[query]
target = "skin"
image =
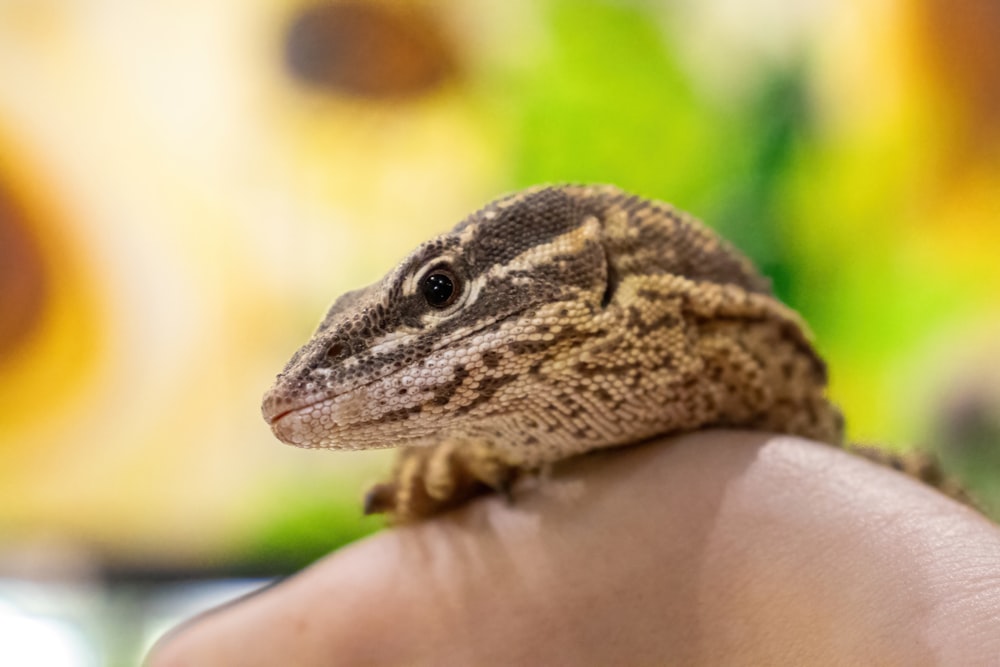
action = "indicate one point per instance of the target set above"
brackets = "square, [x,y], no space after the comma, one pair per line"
[717,547]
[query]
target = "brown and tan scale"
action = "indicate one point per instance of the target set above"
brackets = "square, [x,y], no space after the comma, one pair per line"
[582,318]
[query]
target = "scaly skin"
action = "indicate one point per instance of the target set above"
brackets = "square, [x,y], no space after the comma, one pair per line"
[579,318]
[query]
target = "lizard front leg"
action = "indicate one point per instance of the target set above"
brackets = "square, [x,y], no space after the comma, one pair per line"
[430,480]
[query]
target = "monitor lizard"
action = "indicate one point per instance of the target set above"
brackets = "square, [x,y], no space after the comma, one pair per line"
[553,322]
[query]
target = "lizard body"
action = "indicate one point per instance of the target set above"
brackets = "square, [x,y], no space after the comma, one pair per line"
[552,322]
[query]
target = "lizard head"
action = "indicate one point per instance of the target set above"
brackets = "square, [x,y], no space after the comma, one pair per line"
[554,321]
[441,344]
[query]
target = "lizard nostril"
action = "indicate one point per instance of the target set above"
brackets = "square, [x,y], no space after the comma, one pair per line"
[335,352]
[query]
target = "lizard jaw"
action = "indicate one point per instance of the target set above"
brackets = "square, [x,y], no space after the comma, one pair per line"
[313,425]
[341,422]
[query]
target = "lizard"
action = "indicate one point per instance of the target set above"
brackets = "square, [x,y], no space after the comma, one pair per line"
[552,322]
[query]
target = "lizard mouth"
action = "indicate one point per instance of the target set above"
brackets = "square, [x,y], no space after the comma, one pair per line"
[274,413]
[274,419]
[278,411]
[329,423]
[310,424]
[276,408]
[309,421]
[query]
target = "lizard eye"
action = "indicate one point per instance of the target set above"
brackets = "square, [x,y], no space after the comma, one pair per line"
[440,287]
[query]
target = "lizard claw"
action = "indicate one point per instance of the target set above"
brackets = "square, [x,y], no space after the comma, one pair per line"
[504,485]
[379,499]
[431,480]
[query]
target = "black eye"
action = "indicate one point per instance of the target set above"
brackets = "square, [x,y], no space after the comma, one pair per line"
[440,287]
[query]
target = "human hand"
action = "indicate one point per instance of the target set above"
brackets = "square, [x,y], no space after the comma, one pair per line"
[717,547]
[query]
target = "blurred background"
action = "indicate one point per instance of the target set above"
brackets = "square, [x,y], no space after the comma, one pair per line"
[186,186]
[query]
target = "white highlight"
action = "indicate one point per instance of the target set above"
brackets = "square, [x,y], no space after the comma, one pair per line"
[29,641]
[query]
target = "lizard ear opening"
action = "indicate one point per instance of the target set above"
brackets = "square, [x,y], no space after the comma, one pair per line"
[611,282]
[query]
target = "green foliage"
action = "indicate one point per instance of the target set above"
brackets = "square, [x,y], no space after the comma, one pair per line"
[609,102]
[305,529]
